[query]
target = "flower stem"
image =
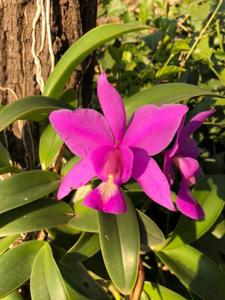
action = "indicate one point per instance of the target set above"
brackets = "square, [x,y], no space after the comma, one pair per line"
[139,283]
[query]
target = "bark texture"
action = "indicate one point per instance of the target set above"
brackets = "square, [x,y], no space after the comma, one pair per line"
[33,36]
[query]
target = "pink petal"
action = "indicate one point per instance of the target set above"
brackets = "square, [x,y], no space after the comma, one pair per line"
[195,123]
[187,205]
[82,130]
[79,175]
[189,147]
[115,204]
[152,128]
[187,166]
[175,149]
[152,180]
[112,107]
[116,161]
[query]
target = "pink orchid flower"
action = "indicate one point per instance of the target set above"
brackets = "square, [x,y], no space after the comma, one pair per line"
[115,153]
[184,155]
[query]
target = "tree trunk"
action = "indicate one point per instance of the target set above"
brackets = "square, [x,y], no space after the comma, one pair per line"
[33,36]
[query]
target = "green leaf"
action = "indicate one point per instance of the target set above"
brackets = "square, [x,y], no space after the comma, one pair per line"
[85,247]
[219,230]
[6,242]
[168,70]
[78,279]
[80,50]
[159,292]
[203,52]
[196,271]
[210,193]
[120,245]
[26,187]
[50,141]
[40,214]
[180,45]
[46,281]
[29,108]
[4,157]
[85,218]
[13,296]
[5,170]
[162,94]
[116,8]
[50,144]
[16,264]
[150,233]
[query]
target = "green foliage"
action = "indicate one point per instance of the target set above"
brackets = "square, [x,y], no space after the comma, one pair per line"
[46,281]
[16,265]
[120,244]
[195,270]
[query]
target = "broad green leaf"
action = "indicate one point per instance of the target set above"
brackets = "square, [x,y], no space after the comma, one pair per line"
[46,281]
[80,50]
[85,247]
[162,94]
[50,144]
[159,292]
[40,214]
[210,193]
[120,246]
[13,296]
[85,218]
[29,108]
[196,271]
[6,242]
[150,233]
[26,187]
[78,279]
[16,264]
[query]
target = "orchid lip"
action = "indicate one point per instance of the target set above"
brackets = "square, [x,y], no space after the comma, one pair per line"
[107,188]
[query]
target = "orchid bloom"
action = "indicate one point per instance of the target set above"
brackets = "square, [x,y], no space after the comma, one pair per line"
[115,153]
[184,155]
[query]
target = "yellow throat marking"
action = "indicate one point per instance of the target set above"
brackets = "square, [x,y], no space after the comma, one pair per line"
[107,188]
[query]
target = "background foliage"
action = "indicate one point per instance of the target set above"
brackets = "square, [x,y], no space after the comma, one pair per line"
[64,250]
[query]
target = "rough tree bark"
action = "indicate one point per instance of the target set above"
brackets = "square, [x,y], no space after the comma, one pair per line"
[33,36]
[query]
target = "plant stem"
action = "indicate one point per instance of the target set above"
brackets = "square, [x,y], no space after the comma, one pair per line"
[216,73]
[140,282]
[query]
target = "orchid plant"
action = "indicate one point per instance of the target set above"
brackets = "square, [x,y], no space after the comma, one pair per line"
[106,232]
